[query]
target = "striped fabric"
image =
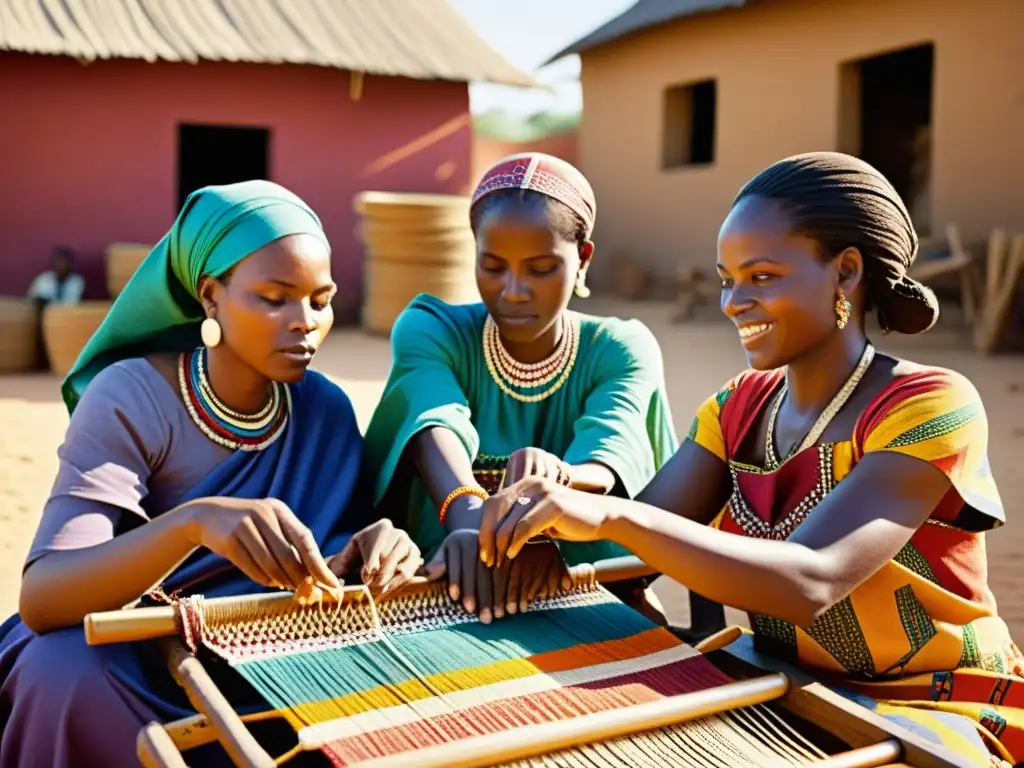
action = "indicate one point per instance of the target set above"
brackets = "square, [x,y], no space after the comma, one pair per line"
[358,684]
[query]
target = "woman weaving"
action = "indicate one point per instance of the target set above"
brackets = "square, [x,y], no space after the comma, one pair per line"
[838,494]
[215,468]
[516,386]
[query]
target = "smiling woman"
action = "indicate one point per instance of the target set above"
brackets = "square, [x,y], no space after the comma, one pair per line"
[839,495]
[484,394]
[219,469]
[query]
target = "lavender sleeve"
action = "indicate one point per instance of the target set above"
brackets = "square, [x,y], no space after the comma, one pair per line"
[116,437]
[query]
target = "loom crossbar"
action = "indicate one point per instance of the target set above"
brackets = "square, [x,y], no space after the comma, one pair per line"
[880,754]
[150,623]
[512,745]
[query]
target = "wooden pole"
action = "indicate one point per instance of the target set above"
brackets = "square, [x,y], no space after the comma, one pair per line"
[547,738]
[881,754]
[242,748]
[155,748]
[136,624]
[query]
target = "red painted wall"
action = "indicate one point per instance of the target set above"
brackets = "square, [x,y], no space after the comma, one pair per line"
[88,154]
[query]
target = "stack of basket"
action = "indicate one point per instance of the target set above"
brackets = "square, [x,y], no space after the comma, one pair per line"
[122,261]
[17,334]
[414,244]
[66,329]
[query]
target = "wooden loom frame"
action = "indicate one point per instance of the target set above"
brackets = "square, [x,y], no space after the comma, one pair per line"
[873,741]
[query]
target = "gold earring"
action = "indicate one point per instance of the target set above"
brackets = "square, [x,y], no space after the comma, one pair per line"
[843,310]
[581,285]
[210,333]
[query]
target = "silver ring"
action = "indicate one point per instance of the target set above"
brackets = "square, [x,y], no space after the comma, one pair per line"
[524,501]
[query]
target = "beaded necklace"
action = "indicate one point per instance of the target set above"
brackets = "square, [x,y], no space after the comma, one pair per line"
[512,376]
[771,459]
[230,429]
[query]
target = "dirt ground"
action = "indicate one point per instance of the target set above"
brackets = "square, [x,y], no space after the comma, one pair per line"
[699,357]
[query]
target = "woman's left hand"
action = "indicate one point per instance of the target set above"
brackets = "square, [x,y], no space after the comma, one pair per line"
[388,555]
[537,507]
[533,462]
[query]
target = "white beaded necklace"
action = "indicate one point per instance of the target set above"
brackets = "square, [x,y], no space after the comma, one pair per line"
[511,375]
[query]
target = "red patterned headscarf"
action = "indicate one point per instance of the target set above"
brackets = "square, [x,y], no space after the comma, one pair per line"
[545,174]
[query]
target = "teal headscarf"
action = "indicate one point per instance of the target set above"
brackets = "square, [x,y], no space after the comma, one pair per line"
[159,310]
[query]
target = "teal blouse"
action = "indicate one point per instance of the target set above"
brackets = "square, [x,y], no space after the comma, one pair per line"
[612,409]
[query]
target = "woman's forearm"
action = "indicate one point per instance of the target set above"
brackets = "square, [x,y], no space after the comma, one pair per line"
[774,578]
[592,478]
[442,466]
[60,588]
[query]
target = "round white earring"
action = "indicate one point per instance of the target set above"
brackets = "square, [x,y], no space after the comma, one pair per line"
[210,332]
[581,288]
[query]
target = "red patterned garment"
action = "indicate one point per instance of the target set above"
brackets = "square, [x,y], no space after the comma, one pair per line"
[923,630]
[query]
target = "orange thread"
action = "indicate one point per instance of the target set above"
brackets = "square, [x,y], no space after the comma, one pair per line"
[462,490]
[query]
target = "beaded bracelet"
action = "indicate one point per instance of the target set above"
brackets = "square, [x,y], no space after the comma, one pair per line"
[462,490]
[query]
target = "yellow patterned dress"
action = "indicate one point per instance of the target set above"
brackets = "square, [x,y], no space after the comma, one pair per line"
[920,641]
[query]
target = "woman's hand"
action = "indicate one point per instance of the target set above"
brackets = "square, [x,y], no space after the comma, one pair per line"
[493,592]
[536,507]
[533,462]
[388,555]
[262,538]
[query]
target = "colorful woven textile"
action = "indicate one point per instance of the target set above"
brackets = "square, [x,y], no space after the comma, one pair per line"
[922,635]
[359,684]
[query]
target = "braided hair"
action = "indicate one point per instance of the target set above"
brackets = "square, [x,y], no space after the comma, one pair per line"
[842,202]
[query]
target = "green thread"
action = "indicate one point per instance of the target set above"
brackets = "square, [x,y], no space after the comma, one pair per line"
[971,655]
[910,557]
[839,632]
[938,426]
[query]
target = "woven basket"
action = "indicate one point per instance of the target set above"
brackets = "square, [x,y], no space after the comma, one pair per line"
[17,335]
[122,261]
[435,211]
[390,288]
[66,329]
[414,244]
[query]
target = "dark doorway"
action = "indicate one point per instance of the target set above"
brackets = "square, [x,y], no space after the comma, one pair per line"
[889,122]
[213,154]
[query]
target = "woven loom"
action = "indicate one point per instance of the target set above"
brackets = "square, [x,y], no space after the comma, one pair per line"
[577,680]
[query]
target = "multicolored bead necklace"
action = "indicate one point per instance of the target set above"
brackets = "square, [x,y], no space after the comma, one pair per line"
[232,430]
[511,376]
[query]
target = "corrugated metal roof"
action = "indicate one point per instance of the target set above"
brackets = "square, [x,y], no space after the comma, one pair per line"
[423,39]
[645,14]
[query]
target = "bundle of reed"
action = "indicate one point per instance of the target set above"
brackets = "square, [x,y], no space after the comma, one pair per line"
[122,261]
[17,335]
[66,329]
[414,244]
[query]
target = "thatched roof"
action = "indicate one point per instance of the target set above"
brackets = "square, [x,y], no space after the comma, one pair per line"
[644,15]
[423,39]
